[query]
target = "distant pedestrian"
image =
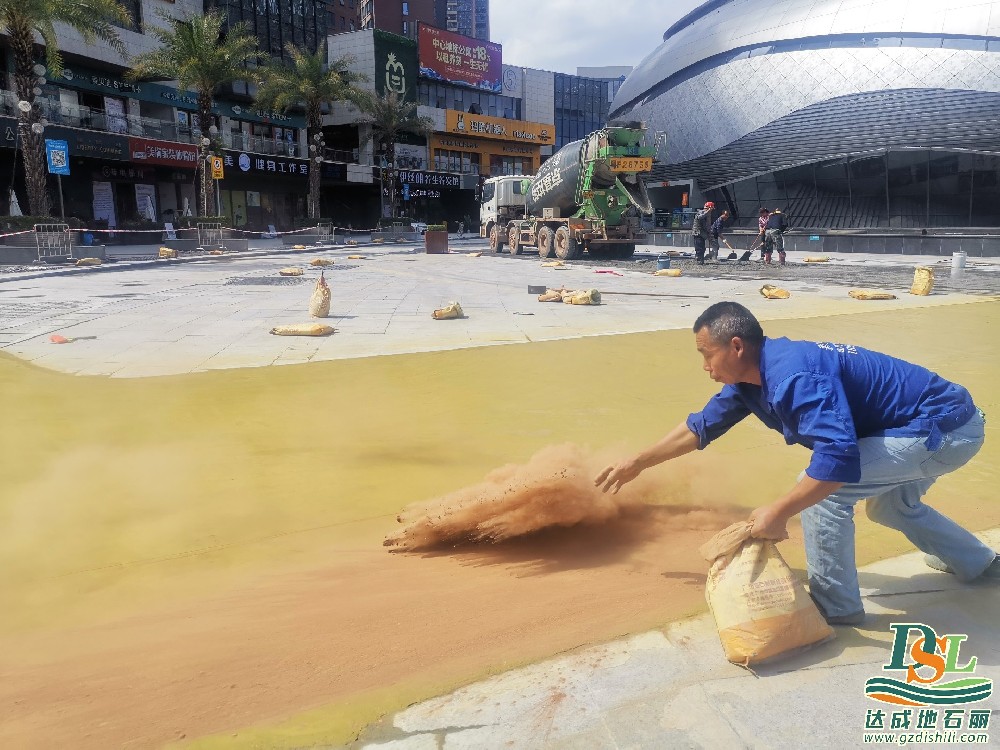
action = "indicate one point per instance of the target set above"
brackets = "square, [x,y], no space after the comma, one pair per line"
[701,230]
[762,228]
[715,235]
[461,230]
[774,238]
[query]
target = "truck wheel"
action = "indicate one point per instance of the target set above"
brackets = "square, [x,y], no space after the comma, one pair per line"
[566,247]
[624,251]
[545,237]
[496,239]
[514,240]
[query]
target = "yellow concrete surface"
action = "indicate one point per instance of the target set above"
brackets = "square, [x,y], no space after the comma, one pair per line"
[119,493]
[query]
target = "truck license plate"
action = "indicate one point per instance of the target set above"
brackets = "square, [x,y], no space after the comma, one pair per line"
[631,163]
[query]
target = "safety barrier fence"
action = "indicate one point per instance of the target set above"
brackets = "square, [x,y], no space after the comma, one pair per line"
[322,229]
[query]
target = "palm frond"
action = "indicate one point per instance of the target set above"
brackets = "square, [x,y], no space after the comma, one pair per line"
[306,79]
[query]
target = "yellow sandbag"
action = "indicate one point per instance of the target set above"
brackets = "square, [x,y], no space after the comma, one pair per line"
[923,281]
[584,297]
[319,302]
[303,329]
[816,259]
[320,262]
[761,610]
[89,262]
[553,264]
[770,291]
[355,257]
[215,252]
[675,272]
[298,247]
[378,241]
[351,242]
[290,272]
[449,312]
[474,255]
[867,294]
[551,295]
[168,252]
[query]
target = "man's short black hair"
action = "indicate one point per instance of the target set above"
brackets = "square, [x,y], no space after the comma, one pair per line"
[725,320]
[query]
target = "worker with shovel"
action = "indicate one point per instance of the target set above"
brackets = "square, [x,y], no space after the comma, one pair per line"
[879,429]
[715,236]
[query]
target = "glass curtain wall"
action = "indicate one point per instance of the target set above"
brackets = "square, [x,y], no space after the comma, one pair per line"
[463,99]
[581,107]
[889,190]
[277,22]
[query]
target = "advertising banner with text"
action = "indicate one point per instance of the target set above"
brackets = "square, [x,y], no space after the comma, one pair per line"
[445,56]
[521,131]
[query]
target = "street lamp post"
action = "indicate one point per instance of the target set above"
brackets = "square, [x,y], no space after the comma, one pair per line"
[317,150]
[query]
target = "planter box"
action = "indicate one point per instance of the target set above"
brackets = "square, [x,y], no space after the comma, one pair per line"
[436,242]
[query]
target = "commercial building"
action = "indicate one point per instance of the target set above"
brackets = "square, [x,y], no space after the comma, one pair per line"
[132,144]
[401,16]
[469,18]
[867,114]
[489,119]
[343,16]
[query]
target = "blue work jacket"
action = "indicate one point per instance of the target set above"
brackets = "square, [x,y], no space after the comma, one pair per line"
[826,397]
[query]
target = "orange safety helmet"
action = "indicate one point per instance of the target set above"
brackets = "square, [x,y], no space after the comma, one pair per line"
[710,204]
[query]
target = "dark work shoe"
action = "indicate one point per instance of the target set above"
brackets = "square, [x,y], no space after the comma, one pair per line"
[855,618]
[993,571]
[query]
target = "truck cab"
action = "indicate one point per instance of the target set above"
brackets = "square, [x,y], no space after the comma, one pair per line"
[502,201]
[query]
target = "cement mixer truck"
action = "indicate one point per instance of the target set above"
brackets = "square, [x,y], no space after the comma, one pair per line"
[588,197]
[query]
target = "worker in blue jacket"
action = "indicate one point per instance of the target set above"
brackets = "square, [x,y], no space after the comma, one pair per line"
[879,429]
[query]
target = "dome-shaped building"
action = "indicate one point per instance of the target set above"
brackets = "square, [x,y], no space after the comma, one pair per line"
[847,113]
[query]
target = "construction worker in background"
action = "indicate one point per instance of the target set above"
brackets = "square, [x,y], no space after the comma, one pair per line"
[774,236]
[762,227]
[718,227]
[701,231]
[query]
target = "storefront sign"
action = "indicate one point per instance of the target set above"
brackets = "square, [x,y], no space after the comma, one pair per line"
[513,148]
[456,143]
[218,170]
[123,174]
[434,179]
[93,144]
[483,126]
[255,165]
[165,153]
[92,80]
[445,56]
[395,65]
[102,82]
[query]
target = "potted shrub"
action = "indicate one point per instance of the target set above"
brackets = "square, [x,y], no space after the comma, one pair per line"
[436,238]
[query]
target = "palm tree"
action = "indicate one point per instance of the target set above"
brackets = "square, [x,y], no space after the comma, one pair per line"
[388,115]
[309,80]
[200,56]
[19,20]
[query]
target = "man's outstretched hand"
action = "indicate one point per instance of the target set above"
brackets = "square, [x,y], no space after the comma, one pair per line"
[768,523]
[613,477]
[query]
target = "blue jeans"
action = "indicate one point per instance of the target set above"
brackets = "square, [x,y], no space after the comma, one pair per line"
[895,474]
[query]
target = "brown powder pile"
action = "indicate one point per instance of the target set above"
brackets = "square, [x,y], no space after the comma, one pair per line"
[555,488]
